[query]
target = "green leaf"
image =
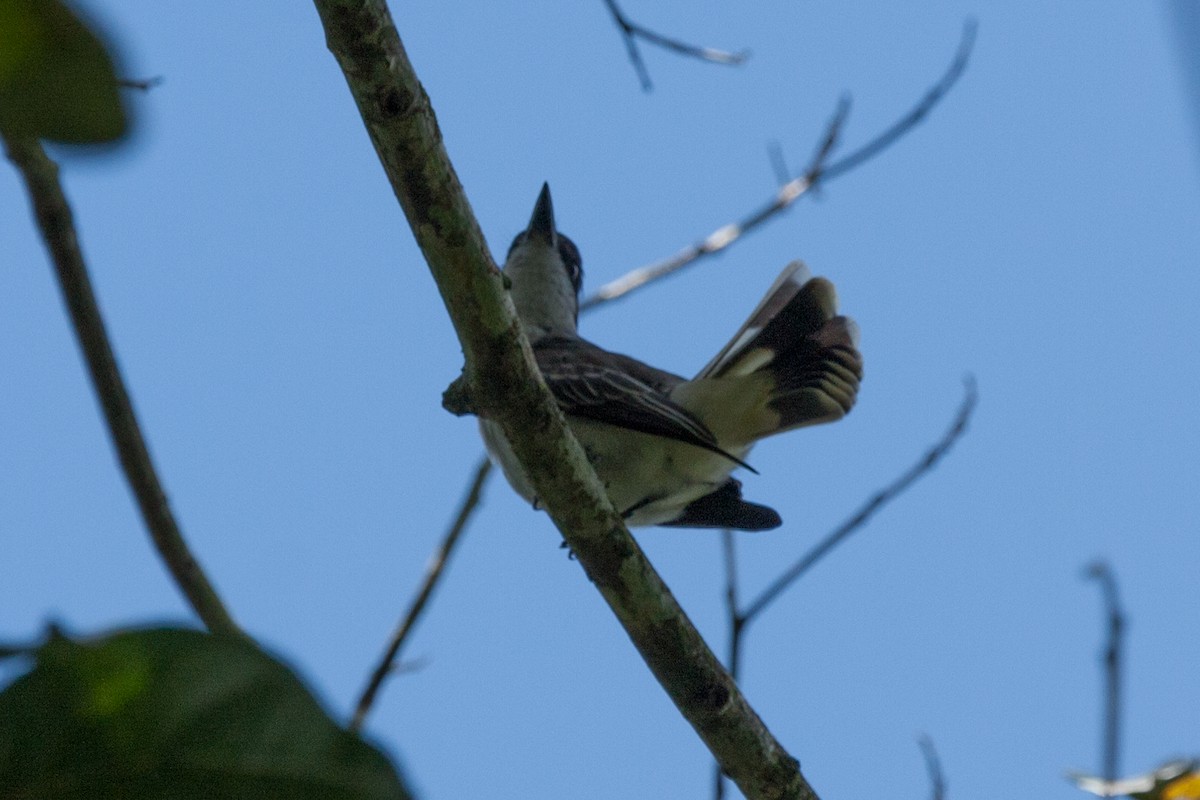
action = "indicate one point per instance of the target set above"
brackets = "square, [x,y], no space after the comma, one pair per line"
[181,714]
[56,77]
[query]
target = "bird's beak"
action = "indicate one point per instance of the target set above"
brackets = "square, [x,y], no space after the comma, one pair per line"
[541,224]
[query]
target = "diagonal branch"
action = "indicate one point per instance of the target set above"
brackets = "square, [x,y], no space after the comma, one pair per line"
[437,565]
[791,188]
[631,32]
[860,518]
[726,235]
[506,386]
[910,120]
[740,619]
[54,219]
[791,191]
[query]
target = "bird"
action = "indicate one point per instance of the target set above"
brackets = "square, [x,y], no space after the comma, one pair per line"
[664,446]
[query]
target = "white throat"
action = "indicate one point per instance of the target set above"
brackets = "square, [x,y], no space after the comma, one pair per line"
[541,291]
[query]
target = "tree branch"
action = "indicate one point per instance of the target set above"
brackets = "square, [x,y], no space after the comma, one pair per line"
[140,84]
[791,191]
[54,219]
[860,518]
[740,619]
[506,387]
[1111,750]
[631,32]
[933,765]
[433,574]
[910,120]
[791,188]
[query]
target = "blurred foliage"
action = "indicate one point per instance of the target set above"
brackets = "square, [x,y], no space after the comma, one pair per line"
[57,79]
[173,713]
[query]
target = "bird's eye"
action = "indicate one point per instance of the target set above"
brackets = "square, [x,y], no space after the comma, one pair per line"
[571,260]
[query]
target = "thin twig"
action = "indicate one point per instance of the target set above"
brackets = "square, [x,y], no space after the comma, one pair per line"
[437,566]
[833,134]
[910,120]
[54,219]
[787,194]
[735,633]
[631,32]
[142,84]
[731,602]
[933,764]
[1111,739]
[778,162]
[740,619]
[721,238]
[868,509]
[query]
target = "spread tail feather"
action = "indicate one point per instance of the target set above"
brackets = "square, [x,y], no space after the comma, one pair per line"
[806,351]
[817,379]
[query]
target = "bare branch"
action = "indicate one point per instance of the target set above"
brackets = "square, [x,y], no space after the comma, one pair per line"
[833,134]
[1111,749]
[791,190]
[869,509]
[721,238]
[787,194]
[933,764]
[731,602]
[506,387]
[739,620]
[910,120]
[778,162]
[141,85]
[631,32]
[55,221]
[728,548]
[433,573]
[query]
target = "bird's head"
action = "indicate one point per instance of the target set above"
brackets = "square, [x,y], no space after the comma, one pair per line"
[546,272]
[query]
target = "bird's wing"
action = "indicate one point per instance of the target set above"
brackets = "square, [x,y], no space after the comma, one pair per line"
[590,382]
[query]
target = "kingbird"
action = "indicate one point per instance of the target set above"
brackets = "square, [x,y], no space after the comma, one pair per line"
[662,445]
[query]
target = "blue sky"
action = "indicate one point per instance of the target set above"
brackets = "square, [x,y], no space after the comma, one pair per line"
[286,350]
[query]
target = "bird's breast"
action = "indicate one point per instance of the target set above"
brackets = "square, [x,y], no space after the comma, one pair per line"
[649,479]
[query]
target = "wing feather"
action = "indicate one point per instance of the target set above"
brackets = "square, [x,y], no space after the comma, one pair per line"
[595,384]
